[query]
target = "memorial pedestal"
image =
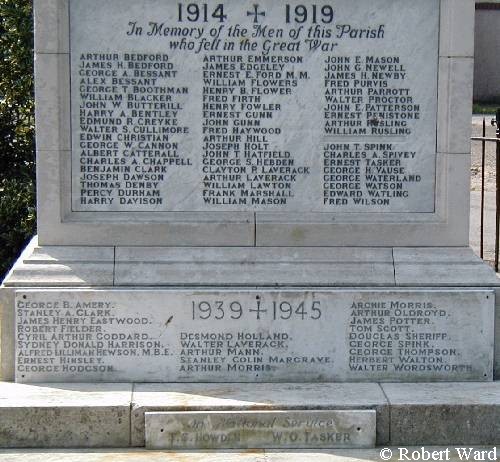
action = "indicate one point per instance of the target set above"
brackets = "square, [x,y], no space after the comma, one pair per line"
[448,276]
[252,198]
[113,415]
[298,314]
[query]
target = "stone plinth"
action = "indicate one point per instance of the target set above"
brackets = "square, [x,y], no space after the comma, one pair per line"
[252,197]
[111,415]
[452,296]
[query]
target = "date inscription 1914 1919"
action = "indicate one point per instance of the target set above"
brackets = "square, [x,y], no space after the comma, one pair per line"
[244,106]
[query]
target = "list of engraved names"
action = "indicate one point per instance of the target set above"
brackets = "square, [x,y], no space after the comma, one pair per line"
[250,336]
[227,106]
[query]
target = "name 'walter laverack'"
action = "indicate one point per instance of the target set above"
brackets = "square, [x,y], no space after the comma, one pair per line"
[255,203]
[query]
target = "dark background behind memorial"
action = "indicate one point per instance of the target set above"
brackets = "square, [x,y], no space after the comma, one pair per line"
[17,127]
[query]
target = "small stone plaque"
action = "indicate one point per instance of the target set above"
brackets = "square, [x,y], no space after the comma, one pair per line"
[261,429]
[251,335]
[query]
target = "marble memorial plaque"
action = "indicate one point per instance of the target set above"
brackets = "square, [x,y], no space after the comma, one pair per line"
[240,105]
[261,429]
[248,336]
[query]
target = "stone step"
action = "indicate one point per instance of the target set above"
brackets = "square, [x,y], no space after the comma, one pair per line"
[113,415]
[141,455]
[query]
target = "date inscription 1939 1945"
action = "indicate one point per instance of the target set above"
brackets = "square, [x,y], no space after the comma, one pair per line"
[252,336]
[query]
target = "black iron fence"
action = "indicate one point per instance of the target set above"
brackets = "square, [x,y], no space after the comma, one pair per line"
[484,139]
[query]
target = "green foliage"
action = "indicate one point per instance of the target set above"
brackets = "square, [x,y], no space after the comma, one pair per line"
[485,108]
[17,145]
[17,218]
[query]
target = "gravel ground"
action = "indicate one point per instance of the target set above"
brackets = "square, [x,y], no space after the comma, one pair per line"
[489,177]
[477,130]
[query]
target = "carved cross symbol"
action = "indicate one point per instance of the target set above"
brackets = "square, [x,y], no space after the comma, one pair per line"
[256,13]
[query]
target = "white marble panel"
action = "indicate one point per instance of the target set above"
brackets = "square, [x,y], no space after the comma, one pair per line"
[296,87]
[260,336]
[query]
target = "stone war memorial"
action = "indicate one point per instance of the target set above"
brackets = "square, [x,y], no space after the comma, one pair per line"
[252,230]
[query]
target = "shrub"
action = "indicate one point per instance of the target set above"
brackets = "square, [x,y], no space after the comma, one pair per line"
[17,145]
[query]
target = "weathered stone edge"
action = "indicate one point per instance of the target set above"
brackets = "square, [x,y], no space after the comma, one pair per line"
[436,419]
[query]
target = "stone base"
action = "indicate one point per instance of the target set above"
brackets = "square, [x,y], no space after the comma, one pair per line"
[254,455]
[113,415]
[460,278]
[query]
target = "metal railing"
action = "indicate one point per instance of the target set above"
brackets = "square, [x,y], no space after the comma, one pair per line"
[484,140]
